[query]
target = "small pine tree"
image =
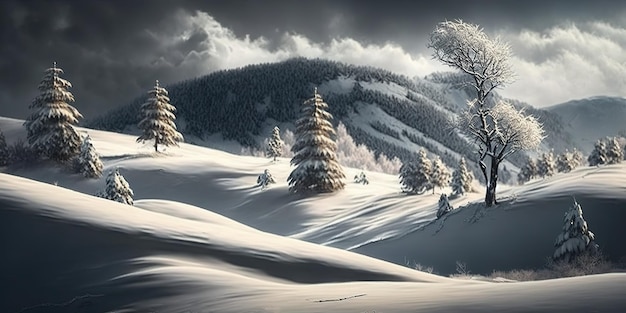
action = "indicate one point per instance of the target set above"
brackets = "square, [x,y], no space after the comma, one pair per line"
[117,188]
[546,165]
[565,162]
[275,145]
[158,119]
[462,179]
[577,158]
[575,238]
[529,171]
[315,151]
[50,127]
[598,154]
[89,163]
[265,179]
[408,177]
[440,174]
[361,179]
[4,150]
[614,152]
[424,171]
[444,206]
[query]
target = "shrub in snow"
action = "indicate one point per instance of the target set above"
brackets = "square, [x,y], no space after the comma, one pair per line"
[117,188]
[462,179]
[529,171]
[158,119]
[265,179]
[88,161]
[565,162]
[50,127]
[275,145]
[499,128]
[440,174]
[21,153]
[598,155]
[575,238]
[614,152]
[546,165]
[315,159]
[4,150]
[444,206]
[361,179]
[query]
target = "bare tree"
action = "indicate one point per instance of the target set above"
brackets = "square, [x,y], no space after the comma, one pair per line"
[498,129]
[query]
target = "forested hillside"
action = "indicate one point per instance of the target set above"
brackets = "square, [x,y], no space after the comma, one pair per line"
[390,113]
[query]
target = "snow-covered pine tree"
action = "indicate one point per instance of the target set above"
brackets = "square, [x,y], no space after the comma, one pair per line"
[577,158]
[614,152]
[444,206]
[424,171]
[89,163]
[315,158]
[117,188]
[158,119]
[575,238]
[4,150]
[598,155]
[50,126]
[265,179]
[462,179]
[408,177]
[275,145]
[546,164]
[529,171]
[565,162]
[440,174]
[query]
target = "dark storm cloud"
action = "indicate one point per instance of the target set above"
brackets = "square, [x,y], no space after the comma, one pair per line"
[113,50]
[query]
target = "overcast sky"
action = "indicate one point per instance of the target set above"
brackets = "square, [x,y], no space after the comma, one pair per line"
[113,50]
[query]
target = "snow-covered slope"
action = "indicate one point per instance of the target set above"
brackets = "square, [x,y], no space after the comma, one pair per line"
[593,118]
[203,238]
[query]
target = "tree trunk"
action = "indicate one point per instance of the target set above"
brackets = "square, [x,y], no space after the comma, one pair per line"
[156,142]
[490,196]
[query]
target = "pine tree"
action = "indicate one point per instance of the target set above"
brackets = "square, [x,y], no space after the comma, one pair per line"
[444,206]
[614,152]
[275,145]
[598,155]
[89,163]
[50,127]
[462,179]
[565,162]
[575,238]
[546,165]
[4,150]
[424,171]
[158,119]
[408,177]
[529,171]
[265,179]
[117,188]
[315,150]
[440,174]
[577,158]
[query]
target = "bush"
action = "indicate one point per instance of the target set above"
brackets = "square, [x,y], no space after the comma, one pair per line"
[22,153]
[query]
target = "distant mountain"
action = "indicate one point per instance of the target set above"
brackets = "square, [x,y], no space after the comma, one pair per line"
[592,118]
[390,113]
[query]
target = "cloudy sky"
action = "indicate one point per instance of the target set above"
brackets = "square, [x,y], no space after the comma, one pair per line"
[113,50]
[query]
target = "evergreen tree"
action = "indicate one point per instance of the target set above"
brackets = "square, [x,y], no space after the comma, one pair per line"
[4,150]
[408,177]
[89,163]
[577,158]
[575,238]
[158,119]
[444,206]
[424,171]
[315,149]
[50,127]
[265,179]
[529,171]
[361,179]
[546,165]
[598,155]
[440,174]
[275,145]
[565,162]
[614,152]
[462,179]
[117,188]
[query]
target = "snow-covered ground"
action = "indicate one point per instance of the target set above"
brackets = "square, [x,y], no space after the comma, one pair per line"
[203,238]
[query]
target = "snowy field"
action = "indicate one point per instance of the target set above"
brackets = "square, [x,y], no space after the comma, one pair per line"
[203,238]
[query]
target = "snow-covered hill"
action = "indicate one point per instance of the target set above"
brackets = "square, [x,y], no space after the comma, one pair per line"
[203,238]
[593,118]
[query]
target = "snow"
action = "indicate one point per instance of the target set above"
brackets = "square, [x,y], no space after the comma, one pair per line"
[202,237]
